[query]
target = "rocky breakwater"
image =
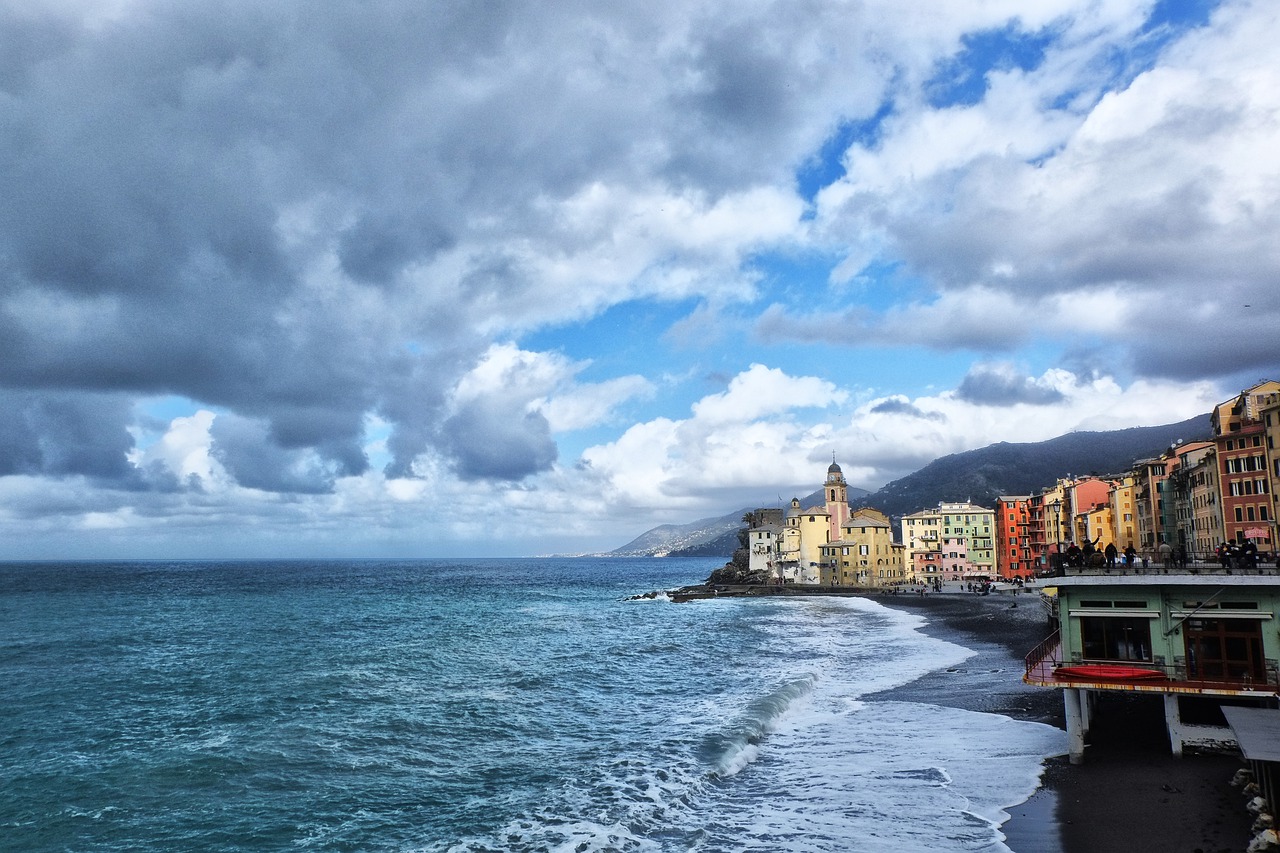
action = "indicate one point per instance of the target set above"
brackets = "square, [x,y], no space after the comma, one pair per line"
[734,580]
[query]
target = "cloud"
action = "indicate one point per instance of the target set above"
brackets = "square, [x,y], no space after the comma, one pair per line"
[61,435]
[1000,385]
[250,453]
[379,250]
[1064,188]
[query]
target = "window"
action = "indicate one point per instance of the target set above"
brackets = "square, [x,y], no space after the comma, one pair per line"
[1115,638]
[1224,649]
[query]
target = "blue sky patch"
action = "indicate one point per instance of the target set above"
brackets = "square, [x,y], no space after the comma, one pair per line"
[827,165]
[962,79]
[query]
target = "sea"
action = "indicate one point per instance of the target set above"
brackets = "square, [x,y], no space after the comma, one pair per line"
[479,705]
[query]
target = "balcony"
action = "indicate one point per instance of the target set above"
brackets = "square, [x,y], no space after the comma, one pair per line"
[1044,668]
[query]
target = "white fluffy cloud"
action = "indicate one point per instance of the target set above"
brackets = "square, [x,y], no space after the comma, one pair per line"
[404,260]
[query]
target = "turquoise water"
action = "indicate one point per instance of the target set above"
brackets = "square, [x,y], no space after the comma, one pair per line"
[501,705]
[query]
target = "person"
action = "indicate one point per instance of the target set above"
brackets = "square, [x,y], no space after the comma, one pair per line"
[1073,555]
[1110,553]
[1249,556]
[1130,554]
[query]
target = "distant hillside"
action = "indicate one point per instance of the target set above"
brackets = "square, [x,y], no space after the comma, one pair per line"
[982,475]
[979,476]
[706,537]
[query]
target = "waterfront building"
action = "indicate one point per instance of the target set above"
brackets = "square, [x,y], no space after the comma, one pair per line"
[765,528]
[1148,500]
[1206,504]
[922,533]
[1193,641]
[1269,410]
[926,566]
[1096,525]
[1239,433]
[1084,495]
[865,555]
[799,544]
[969,529]
[812,528]
[1014,555]
[1049,513]
[1124,528]
[1185,483]
[955,560]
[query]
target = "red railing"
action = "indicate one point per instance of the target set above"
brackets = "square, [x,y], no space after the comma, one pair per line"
[1048,646]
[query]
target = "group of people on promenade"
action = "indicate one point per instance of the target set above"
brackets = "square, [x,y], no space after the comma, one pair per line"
[1239,556]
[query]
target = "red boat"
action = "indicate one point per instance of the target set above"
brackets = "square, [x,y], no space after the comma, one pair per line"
[1108,672]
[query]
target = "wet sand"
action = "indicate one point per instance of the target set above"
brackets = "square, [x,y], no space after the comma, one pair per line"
[1131,794]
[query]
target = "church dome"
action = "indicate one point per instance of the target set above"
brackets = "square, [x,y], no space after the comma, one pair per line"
[834,469]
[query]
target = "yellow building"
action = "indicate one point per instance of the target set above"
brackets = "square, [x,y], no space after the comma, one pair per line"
[1124,521]
[865,555]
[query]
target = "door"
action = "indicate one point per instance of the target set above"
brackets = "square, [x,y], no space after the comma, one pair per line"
[1224,650]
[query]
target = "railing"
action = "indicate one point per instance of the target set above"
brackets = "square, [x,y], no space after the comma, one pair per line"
[1043,661]
[1047,648]
[1197,564]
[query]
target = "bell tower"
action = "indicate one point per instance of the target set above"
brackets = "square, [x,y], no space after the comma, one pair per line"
[837,489]
[837,495]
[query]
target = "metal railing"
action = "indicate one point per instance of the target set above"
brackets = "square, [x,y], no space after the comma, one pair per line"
[1048,646]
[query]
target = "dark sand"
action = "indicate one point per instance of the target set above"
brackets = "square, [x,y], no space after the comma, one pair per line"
[1131,794]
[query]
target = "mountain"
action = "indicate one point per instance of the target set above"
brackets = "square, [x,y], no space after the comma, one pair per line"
[979,476]
[706,537]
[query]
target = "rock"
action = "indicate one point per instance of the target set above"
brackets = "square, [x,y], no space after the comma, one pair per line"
[1264,841]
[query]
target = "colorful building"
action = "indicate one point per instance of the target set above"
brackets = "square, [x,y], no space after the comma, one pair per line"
[865,555]
[1014,555]
[1239,433]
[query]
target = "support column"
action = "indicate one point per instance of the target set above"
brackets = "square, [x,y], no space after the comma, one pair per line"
[1173,722]
[1071,700]
[1086,710]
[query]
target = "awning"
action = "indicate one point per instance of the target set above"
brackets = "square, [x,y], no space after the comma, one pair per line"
[1257,730]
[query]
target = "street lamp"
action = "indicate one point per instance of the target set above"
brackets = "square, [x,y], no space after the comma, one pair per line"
[1056,506]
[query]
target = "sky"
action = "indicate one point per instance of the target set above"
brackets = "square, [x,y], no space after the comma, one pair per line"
[395,279]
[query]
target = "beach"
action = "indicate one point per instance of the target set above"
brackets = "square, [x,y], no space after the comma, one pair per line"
[1130,794]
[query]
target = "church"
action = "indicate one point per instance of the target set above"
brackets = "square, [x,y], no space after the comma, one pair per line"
[826,544]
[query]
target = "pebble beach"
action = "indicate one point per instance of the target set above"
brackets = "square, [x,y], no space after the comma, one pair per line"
[1130,794]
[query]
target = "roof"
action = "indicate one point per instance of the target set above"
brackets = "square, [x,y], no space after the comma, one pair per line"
[1257,730]
[863,521]
[1181,579]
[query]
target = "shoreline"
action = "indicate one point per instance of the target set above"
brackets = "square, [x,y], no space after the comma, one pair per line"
[1130,794]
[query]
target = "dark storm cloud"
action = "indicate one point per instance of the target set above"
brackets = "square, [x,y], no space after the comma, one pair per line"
[241,203]
[66,434]
[994,386]
[902,406]
[249,452]
[488,440]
